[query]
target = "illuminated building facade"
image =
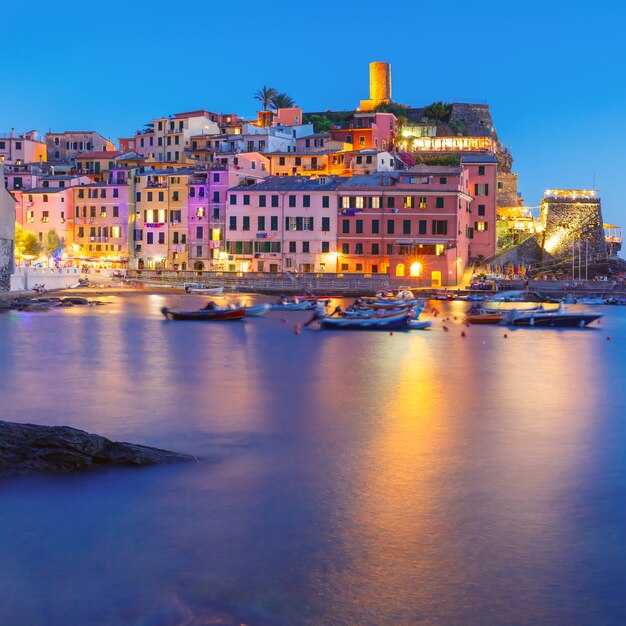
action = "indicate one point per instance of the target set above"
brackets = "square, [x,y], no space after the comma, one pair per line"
[414,223]
[68,145]
[24,148]
[7,234]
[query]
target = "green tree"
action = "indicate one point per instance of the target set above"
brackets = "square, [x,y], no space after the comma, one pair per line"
[282,101]
[265,95]
[26,243]
[438,111]
[55,246]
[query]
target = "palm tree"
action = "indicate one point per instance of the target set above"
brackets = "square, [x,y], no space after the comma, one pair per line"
[265,96]
[282,101]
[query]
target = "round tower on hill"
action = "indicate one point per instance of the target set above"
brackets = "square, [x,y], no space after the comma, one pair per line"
[380,82]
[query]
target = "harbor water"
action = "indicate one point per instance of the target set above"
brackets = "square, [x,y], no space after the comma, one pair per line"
[344,477]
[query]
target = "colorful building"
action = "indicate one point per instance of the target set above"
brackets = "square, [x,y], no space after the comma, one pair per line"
[7,234]
[368,130]
[284,223]
[414,223]
[24,148]
[68,145]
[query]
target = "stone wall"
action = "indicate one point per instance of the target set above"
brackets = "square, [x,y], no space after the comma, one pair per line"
[508,196]
[6,257]
[569,220]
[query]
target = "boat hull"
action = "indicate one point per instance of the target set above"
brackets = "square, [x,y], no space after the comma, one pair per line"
[556,320]
[398,322]
[258,310]
[205,315]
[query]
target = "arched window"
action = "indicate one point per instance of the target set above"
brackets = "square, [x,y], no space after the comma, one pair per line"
[416,269]
[400,269]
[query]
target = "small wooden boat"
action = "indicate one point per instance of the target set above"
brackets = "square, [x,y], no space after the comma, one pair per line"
[360,313]
[386,304]
[258,310]
[206,315]
[419,325]
[485,316]
[396,322]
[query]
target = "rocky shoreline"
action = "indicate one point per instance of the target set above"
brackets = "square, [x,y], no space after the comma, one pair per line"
[31,448]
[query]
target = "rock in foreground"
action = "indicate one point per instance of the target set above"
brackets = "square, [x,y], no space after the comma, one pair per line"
[27,448]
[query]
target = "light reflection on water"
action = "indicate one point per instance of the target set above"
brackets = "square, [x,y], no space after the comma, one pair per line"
[347,478]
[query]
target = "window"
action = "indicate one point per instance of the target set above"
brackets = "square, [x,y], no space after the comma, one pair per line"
[469,232]
[175,238]
[274,222]
[306,201]
[116,193]
[45,217]
[92,211]
[439,202]
[422,227]
[345,226]
[292,201]
[199,232]
[325,247]
[440,227]
[359,227]
[232,224]
[200,211]
[481,226]
[175,196]
[500,186]
[406,227]
[326,224]
[345,248]
[292,246]
[281,160]
[481,210]
[374,202]
[149,196]
[198,250]
[274,201]
[233,198]
[481,170]
[443,180]
[391,227]
[260,222]
[375,227]
[81,232]
[325,202]
[161,238]
[375,248]
[161,196]
[305,247]
[307,223]
[423,202]
[45,197]
[246,200]
[262,201]
[149,238]
[408,202]
[481,189]
[246,222]
[391,202]
[81,193]
[103,211]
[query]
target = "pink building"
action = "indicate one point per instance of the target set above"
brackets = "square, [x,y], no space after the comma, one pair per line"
[284,223]
[482,171]
[414,223]
[24,148]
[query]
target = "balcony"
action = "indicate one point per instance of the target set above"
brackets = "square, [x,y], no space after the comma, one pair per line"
[174,131]
[99,239]
[154,183]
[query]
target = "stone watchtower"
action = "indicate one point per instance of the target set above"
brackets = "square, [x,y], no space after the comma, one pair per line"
[380,86]
[570,216]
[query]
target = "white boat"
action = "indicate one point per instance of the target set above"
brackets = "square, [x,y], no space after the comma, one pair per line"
[204,291]
[419,325]
[257,310]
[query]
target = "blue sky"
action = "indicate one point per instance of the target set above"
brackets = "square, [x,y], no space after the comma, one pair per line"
[553,72]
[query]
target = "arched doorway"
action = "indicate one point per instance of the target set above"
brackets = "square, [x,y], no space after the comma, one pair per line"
[198,266]
[416,269]
[436,279]
[400,269]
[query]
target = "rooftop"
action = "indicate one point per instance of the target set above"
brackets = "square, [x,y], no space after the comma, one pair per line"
[291,183]
[102,154]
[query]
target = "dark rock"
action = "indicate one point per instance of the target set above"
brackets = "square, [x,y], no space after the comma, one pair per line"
[27,448]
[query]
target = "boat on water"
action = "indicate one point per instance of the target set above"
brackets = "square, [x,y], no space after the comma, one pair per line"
[363,303]
[553,319]
[203,290]
[206,315]
[305,305]
[369,312]
[257,310]
[419,324]
[519,296]
[481,315]
[395,322]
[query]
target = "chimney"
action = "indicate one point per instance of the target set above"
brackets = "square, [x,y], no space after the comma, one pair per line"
[12,133]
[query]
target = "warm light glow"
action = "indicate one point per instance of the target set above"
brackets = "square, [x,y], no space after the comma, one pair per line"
[416,269]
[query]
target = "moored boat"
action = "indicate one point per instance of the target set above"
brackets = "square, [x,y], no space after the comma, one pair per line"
[419,324]
[202,290]
[207,315]
[395,322]
[552,319]
[305,305]
[257,310]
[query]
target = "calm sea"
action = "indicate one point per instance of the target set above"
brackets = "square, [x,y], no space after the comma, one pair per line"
[346,478]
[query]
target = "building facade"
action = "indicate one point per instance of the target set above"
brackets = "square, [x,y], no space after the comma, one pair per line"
[68,145]
[24,148]
[7,234]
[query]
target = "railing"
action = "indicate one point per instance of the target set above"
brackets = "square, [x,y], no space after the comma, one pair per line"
[153,184]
